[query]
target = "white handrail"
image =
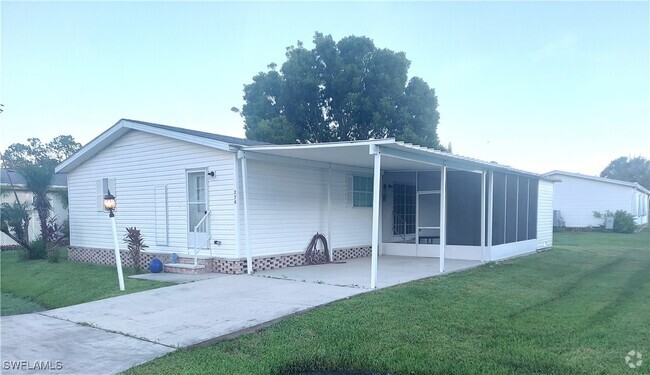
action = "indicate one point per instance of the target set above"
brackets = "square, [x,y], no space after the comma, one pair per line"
[196,228]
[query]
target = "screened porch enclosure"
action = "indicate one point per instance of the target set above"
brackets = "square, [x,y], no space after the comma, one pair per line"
[411,212]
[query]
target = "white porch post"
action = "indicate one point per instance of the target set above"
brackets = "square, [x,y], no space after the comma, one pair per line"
[443,216]
[483,190]
[244,178]
[329,212]
[376,196]
[489,218]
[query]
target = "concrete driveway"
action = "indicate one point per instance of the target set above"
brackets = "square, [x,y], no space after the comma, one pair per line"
[114,334]
[391,270]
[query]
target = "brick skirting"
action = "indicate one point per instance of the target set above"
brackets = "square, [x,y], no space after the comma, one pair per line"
[220,265]
[107,256]
[351,252]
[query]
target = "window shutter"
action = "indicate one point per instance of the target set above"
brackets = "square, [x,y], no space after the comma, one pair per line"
[103,186]
[111,186]
[100,195]
[349,187]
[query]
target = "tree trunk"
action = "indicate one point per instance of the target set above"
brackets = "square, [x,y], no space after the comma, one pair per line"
[18,240]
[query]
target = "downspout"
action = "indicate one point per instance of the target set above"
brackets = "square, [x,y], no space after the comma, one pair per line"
[244,176]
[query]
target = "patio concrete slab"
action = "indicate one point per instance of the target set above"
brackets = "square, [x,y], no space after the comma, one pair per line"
[391,270]
[177,278]
[34,341]
[188,314]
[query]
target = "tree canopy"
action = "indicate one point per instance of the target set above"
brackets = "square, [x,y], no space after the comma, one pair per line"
[636,169]
[339,91]
[35,152]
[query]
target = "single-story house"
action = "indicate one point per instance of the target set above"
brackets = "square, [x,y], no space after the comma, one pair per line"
[249,206]
[577,196]
[10,180]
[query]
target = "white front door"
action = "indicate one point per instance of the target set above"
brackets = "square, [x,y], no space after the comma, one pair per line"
[197,208]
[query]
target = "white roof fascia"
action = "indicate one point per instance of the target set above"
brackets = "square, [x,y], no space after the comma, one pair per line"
[79,156]
[460,162]
[635,185]
[119,129]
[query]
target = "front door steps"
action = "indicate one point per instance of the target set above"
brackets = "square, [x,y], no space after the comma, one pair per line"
[185,265]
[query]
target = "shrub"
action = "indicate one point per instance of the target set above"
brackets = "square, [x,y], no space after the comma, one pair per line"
[38,251]
[624,222]
[135,243]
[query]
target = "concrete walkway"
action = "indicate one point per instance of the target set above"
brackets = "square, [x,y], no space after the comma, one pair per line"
[114,334]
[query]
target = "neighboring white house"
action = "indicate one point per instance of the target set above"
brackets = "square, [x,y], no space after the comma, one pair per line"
[577,196]
[59,210]
[247,205]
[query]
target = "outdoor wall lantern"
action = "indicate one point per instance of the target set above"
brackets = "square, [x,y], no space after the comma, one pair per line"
[109,204]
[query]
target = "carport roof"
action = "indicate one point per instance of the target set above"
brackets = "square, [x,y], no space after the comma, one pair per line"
[401,156]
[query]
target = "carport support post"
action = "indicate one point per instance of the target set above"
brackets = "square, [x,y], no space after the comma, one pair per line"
[376,196]
[244,180]
[329,213]
[443,216]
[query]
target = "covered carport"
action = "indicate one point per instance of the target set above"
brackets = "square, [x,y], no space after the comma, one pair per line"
[427,247]
[355,273]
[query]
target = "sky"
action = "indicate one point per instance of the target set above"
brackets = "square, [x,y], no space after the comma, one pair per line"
[535,85]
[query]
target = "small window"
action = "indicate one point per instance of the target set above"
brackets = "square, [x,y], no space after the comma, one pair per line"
[362,191]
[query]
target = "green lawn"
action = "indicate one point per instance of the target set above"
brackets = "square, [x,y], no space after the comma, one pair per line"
[37,284]
[576,309]
[11,305]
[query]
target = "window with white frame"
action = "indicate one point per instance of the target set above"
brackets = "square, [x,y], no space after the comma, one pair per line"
[361,191]
[104,185]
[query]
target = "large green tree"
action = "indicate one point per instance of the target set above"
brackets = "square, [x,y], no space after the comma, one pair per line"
[339,91]
[636,169]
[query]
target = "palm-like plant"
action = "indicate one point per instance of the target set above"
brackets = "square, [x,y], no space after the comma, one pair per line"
[37,180]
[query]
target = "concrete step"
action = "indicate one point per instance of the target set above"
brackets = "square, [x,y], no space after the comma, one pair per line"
[187,269]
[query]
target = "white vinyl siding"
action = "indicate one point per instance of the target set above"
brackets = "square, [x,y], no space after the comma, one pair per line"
[161,214]
[288,205]
[141,165]
[545,214]
[577,198]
